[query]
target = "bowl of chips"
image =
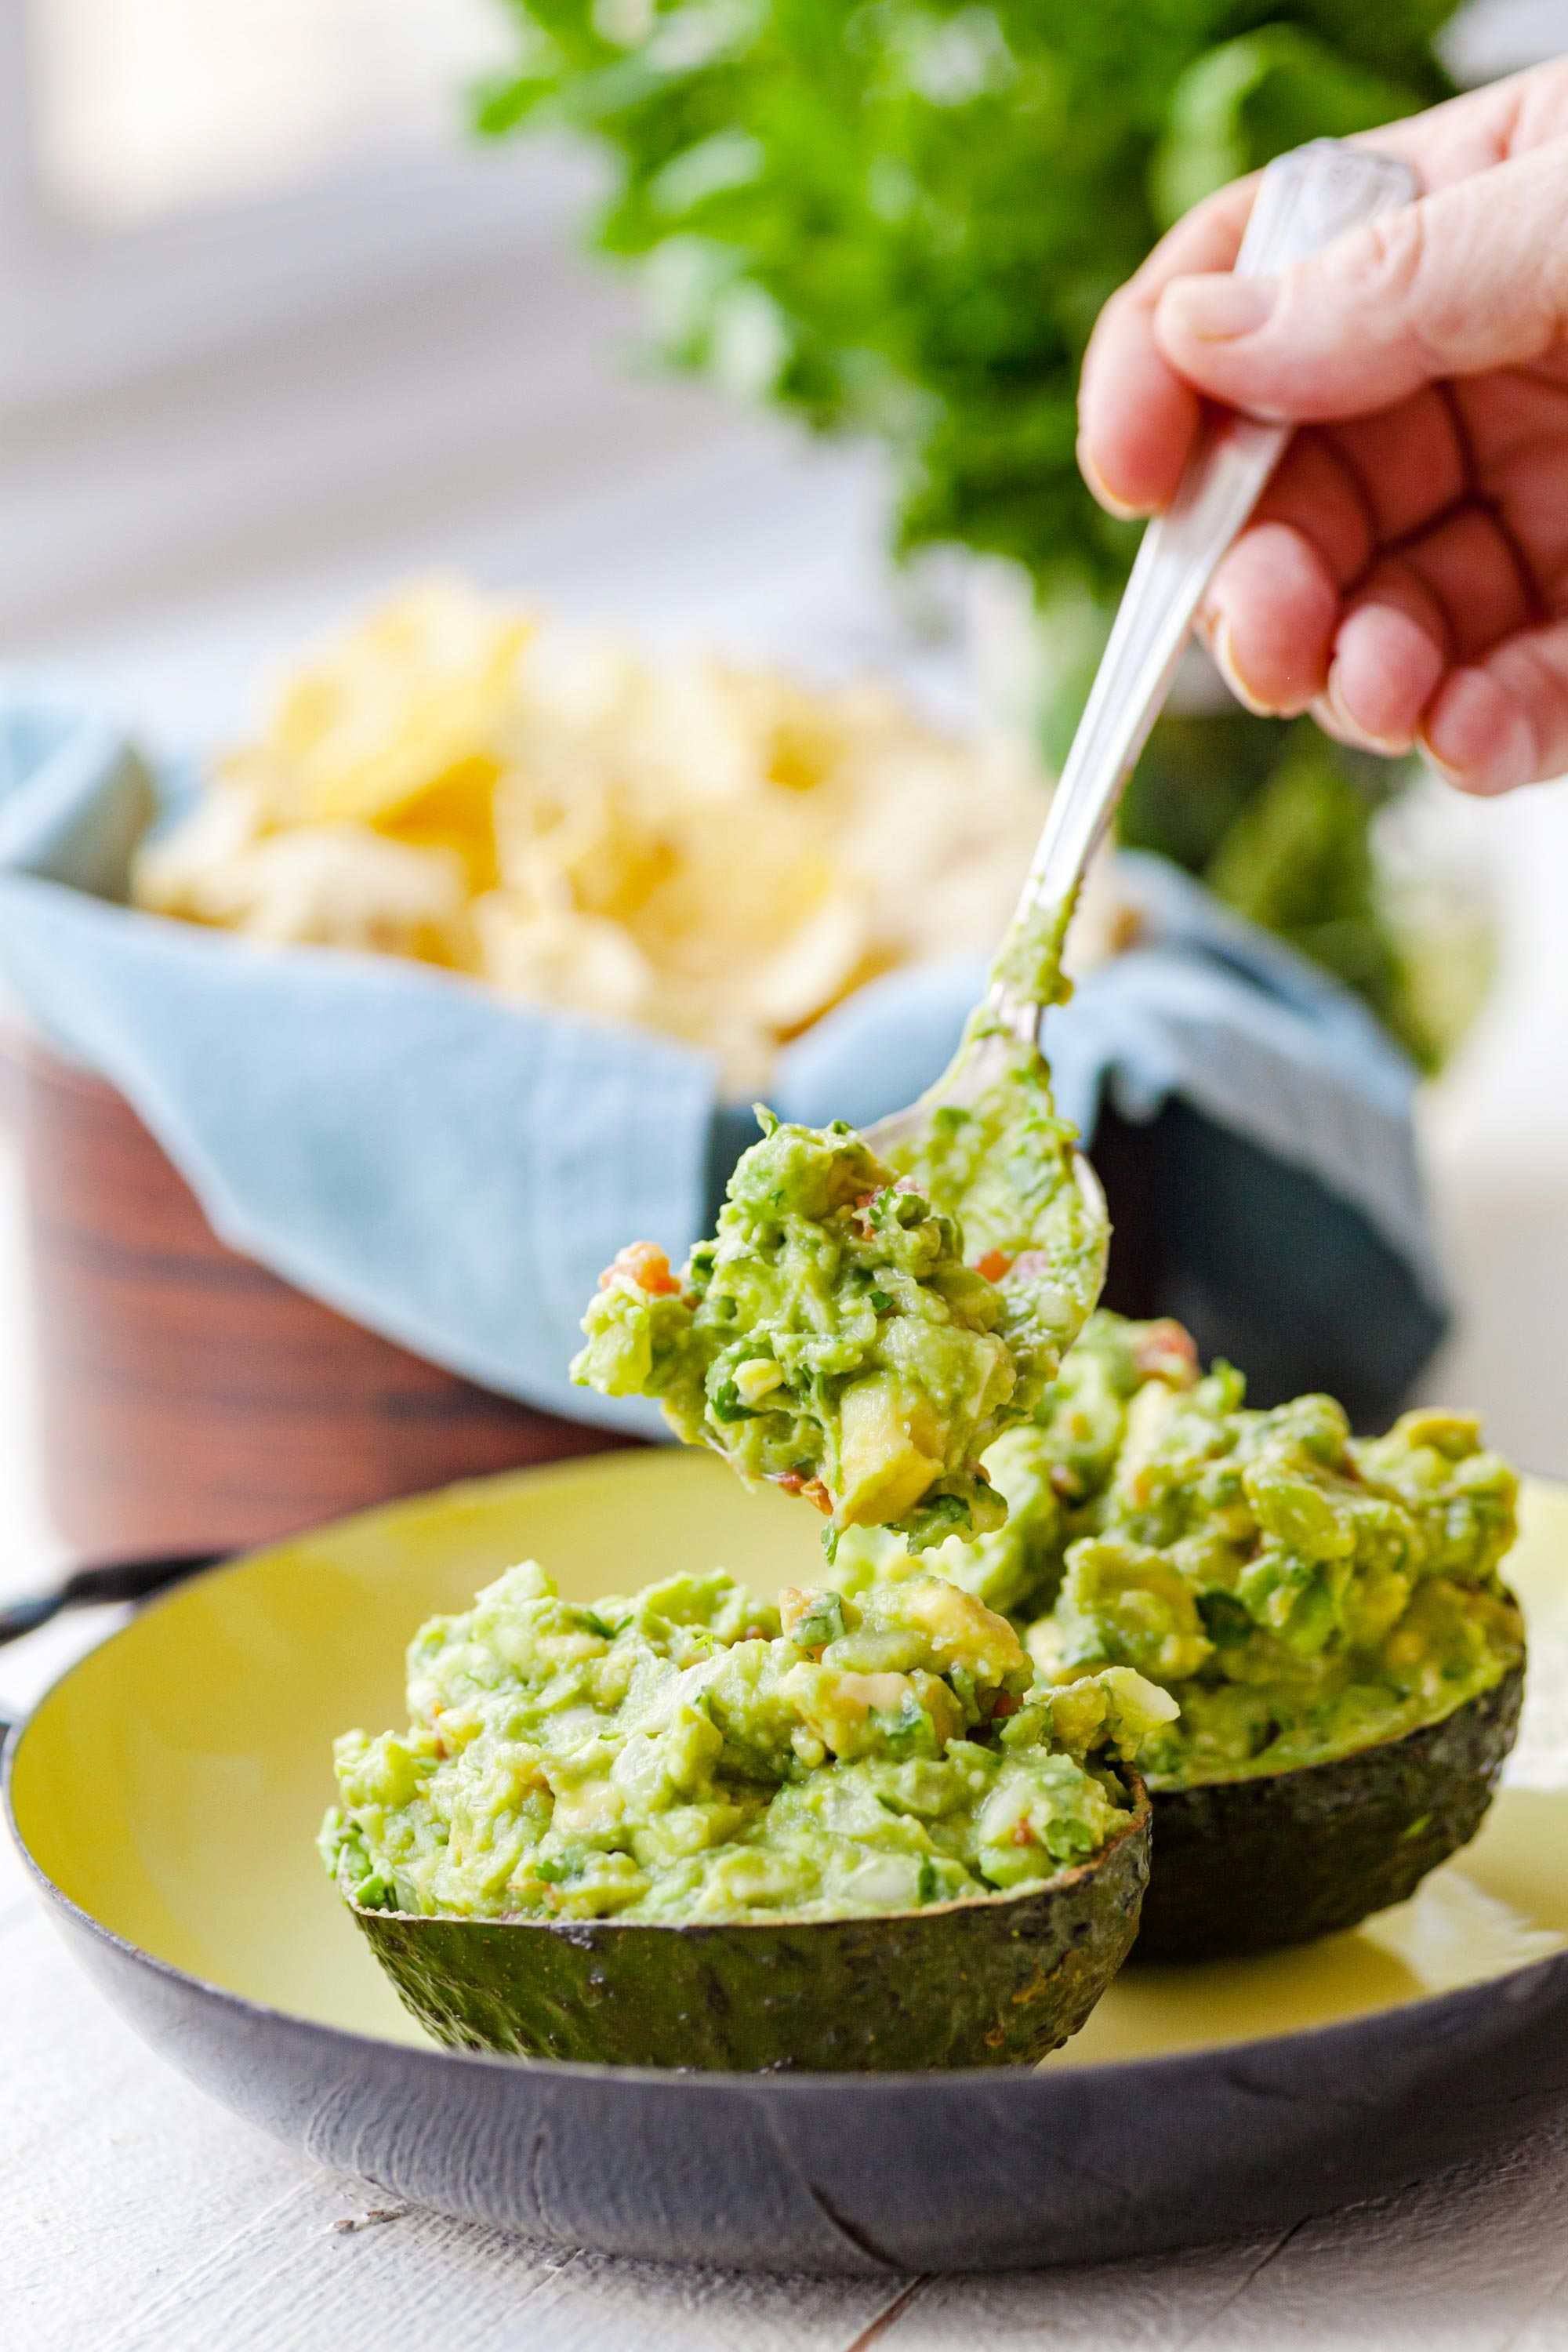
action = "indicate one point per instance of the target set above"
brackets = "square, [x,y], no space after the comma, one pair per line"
[682,846]
[716,851]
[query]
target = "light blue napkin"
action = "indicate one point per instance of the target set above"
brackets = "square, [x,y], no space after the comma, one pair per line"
[453,1169]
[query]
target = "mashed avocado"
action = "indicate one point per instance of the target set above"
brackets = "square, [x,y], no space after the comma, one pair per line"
[1044,1472]
[689,1754]
[1300,1593]
[860,1333]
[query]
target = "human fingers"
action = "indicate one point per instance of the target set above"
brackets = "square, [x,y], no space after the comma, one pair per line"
[1136,415]
[1388,660]
[1297,616]
[1269,619]
[1503,720]
[1439,602]
[1269,613]
[1467,280]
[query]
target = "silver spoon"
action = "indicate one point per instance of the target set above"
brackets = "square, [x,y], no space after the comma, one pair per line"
[1305,200]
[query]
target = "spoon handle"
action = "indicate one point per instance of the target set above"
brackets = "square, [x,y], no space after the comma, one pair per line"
[1305,200]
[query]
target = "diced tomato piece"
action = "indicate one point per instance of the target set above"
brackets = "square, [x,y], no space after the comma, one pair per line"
[646,1264]
[1003,1704]
[994,1264]
[795,1482]
[1167,1351]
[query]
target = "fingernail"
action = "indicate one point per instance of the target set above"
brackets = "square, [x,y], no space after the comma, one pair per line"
[1096,481]
[1477,738]
[1223,649]
[1345,717]
[1212,310]
[1513,763]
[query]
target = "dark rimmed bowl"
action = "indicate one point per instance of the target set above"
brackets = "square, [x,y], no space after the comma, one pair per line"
[165,1794]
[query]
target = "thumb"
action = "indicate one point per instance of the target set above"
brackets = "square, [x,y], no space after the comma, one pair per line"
[1473,277]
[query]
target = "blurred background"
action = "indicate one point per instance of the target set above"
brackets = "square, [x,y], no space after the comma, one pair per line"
[279,330]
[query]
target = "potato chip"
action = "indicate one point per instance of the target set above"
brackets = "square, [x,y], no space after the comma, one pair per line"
[584,963]
[823,959]
[397,726]
[321,885]
[173,868]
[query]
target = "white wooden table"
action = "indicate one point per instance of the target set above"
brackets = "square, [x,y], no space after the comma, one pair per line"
[137,2217]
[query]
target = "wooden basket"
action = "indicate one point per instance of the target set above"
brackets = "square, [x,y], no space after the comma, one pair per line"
[188,1399]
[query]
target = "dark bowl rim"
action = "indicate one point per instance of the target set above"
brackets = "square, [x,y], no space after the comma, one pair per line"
[1431,2009]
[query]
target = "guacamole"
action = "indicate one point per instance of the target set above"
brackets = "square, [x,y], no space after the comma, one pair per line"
[691,1755]
[1044,1472]
[858,1332]
[1300,1593]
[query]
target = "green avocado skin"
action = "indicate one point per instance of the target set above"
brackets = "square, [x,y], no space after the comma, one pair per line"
[995,1982]
[1247,1865]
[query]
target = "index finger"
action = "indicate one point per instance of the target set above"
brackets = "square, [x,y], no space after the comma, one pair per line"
[1137,416]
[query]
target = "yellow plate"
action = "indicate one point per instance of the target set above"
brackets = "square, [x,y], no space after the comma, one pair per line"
[171,1784]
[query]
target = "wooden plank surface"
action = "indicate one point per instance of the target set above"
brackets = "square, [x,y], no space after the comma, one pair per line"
[1473,2260]
[140,2217]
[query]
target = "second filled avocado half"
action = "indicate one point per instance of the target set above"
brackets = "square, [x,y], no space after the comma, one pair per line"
[1327,1614]
[688,1828]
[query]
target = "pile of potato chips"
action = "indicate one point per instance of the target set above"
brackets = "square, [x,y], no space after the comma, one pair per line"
[717,852]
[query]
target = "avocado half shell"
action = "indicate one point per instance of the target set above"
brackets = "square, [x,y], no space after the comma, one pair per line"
[993,1980]
[1245,1865]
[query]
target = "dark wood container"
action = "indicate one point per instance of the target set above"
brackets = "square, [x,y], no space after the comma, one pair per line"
[188,1400]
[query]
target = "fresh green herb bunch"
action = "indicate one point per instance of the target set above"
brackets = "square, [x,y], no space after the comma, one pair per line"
[904,215]
[901,217]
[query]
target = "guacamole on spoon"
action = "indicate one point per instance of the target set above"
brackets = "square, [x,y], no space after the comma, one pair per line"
[860,1332]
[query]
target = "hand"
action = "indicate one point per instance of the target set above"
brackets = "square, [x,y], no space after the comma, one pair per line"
[1405,575]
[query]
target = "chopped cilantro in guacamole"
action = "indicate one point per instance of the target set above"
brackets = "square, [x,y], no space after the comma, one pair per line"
[689,1754]
[1300,1593]
[860,1333]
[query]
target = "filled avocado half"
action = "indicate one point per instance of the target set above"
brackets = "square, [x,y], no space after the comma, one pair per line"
[1326,1612]
[860,1332]
[686,1829]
